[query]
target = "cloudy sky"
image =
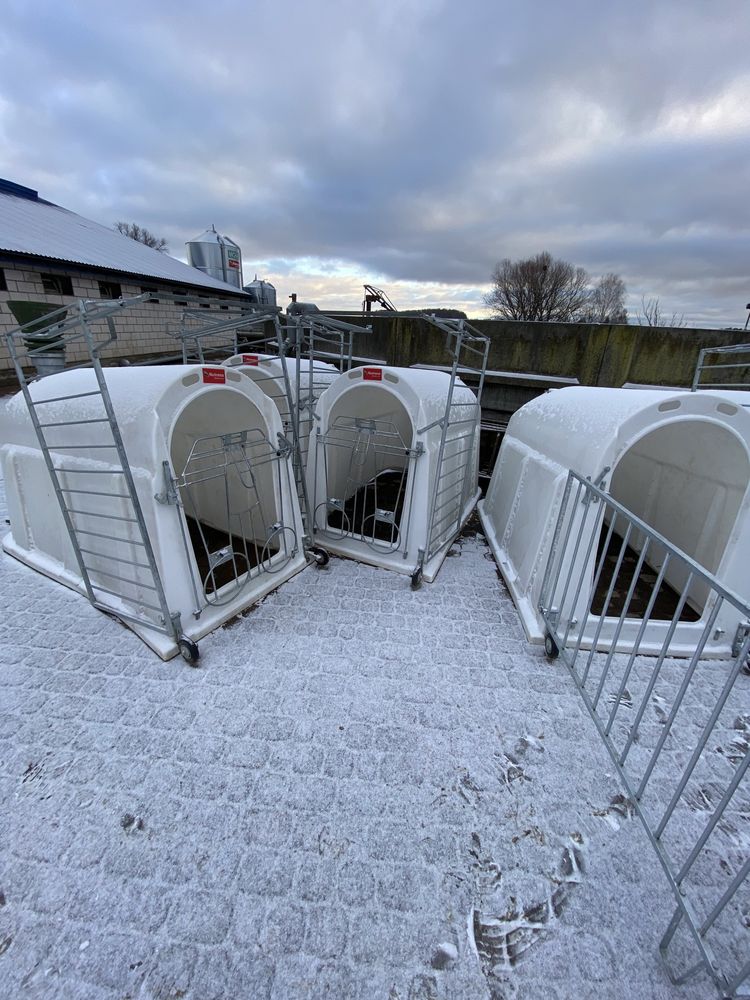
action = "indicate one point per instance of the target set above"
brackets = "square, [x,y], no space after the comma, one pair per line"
[407,143]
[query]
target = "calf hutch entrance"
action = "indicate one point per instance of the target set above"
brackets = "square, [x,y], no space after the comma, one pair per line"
[392,474]
[166,495]
[294,385]
[625,552]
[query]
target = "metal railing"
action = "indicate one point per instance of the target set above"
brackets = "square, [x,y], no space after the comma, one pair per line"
[242,478]
[712,360]
[677,730]
[368,489]
[454,483]
[298,340]
[103,490]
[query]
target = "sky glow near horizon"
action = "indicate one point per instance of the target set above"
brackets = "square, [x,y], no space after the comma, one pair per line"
[397,143]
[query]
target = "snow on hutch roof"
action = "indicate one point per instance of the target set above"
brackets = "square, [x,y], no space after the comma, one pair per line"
[31,226]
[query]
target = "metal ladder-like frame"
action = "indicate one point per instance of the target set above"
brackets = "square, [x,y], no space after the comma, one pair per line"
[69,330]
[364,439]
[298,340]
[468,349]
[303,339]
[233,326]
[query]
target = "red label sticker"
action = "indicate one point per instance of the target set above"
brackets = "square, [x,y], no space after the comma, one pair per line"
[372,374]
[250,359]
[233,263]
[214,376]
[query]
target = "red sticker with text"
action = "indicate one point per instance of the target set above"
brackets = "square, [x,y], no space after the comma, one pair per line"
[249,359]
[372,374]
[214,376]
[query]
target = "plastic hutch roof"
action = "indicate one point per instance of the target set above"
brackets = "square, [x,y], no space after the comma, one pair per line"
[374,465]
[679,460]
[212,445]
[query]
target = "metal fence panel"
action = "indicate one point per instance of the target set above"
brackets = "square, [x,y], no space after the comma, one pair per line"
[677,729]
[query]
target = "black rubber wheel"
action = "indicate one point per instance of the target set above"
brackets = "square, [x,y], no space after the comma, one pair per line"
[320,555]
[416,579]
[189,650]
[550,647]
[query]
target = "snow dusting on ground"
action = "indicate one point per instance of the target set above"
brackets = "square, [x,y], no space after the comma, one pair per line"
[362,792]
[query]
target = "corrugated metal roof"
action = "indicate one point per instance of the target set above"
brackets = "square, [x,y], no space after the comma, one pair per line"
[41,229]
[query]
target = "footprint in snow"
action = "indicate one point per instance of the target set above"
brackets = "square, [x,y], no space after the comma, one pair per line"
[502,939]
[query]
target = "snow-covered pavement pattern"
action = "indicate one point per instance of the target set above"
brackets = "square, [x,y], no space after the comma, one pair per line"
[363,792]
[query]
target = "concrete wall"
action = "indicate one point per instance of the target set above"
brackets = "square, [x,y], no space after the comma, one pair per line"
[594,354]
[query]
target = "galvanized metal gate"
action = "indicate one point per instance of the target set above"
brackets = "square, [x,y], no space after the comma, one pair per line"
[375,503]
[249,532]
[298,339]
[207,336]
[608,572]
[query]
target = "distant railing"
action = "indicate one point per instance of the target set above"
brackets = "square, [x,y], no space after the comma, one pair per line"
[717,364]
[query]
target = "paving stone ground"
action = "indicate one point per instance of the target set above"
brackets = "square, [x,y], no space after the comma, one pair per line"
[357,783]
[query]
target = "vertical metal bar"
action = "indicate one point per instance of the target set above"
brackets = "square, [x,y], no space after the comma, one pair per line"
[168,622]
[677,918]
[607,599]
[308,524]
[698,370]
[549,585]
[440,458]
[592,537]
[694,660]
[68,521]
[595,582]
[731,890]
[637,644]
[560,603]
[228,515]
[620,622]
[707,730]
[716,816]
[200,603]
[464,494]
[659,662]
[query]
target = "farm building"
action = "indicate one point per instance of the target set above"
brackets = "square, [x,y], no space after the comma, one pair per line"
[52,256]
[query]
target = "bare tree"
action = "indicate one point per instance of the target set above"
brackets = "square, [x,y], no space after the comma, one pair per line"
[142,235]
[540,288]
[606,302]
[652,315]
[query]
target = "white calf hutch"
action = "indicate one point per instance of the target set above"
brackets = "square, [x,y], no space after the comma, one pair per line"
[166,495]
[679,463]
[294,384]
[392,468]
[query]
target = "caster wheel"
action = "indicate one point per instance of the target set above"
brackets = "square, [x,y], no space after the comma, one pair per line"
[320,555]
[189,650]
[550,647]
[416,579]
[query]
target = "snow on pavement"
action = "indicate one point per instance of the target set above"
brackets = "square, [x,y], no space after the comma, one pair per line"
[362,792]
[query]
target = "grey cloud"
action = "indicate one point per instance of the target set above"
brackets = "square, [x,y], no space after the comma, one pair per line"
[420,142]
